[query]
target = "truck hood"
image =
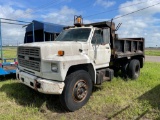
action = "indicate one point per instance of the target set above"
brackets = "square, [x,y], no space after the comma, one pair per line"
[50,49]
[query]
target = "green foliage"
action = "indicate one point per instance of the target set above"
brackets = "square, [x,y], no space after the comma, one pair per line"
[119,99]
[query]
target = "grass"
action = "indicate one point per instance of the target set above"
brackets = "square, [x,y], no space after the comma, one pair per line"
[152,52]
[117,100]
[9,52]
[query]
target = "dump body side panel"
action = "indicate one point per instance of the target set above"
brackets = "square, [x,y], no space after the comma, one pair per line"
[128,47]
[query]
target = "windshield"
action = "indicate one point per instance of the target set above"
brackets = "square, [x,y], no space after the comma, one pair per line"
[81,34]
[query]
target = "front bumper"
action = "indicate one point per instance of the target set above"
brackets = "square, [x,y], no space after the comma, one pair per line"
[42,85]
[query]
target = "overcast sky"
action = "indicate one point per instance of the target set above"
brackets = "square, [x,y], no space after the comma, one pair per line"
[145,23]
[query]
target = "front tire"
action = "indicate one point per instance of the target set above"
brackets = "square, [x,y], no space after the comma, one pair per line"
[77,90]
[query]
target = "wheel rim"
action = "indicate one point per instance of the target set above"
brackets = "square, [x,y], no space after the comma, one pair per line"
[80,91]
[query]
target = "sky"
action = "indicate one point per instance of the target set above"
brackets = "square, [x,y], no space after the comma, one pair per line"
[145,23]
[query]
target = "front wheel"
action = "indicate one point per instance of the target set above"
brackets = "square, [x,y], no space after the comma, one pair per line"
[77,90]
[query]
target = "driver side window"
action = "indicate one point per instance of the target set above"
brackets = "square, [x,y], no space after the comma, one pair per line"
[97,37]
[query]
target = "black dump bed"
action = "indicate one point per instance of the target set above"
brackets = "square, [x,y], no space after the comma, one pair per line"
[128,47]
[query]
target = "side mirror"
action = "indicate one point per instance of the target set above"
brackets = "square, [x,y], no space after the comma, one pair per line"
[106,35]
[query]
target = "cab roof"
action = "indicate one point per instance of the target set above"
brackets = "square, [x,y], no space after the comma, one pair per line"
[97,24]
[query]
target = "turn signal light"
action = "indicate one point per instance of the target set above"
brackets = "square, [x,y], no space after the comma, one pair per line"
[60,52]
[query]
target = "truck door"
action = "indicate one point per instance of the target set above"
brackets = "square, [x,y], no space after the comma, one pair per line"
[99,50]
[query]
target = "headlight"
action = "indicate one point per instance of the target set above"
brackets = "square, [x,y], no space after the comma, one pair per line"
[54,67]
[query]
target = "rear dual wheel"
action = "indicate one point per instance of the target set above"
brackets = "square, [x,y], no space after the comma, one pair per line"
[134,69]
[131,69]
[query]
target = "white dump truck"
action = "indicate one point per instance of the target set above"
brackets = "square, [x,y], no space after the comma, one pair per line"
[80,57]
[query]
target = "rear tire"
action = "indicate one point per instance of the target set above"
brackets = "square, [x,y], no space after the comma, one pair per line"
[77,90]
[134,69]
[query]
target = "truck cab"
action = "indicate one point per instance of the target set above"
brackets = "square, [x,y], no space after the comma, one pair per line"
[80,57]
[92,42]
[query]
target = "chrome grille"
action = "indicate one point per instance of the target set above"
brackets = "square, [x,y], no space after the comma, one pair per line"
[29,57]
[31,51]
